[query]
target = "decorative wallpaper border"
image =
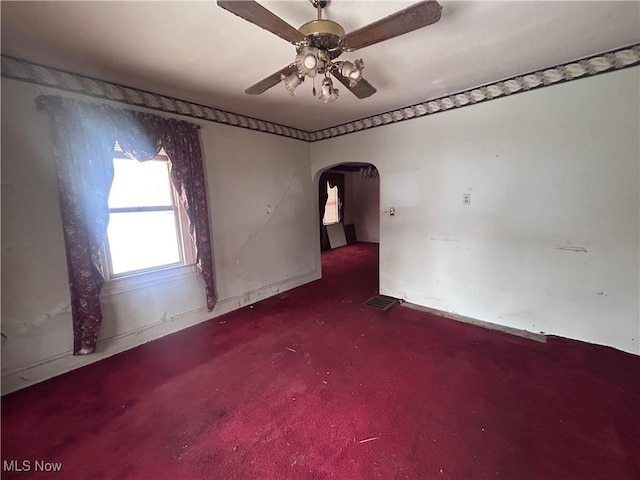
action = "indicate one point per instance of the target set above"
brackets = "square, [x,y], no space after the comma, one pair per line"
[19,69]
[24,70]
[590,66]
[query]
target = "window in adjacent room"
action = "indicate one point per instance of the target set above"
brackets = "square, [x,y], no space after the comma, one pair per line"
[332,207]
[147,226]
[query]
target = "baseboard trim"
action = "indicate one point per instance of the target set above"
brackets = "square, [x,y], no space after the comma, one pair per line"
[537,337]
[64,362]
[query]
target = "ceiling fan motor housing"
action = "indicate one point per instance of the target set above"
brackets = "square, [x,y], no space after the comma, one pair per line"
[323,34]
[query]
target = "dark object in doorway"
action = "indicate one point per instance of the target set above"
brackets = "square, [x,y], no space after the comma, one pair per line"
[350,233]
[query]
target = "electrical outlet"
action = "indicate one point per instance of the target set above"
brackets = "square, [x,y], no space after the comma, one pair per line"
[466,199]
[392,211]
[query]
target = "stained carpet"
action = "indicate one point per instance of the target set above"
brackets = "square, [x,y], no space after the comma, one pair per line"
[310,384]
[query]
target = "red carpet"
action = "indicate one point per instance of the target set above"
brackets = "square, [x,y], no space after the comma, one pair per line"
[292,388]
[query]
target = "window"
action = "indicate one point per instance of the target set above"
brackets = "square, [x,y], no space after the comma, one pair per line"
[332,207]
[146,224]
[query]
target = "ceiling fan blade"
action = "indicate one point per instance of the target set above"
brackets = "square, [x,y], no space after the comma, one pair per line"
[271,80]
[255,13]
[405,21]
[363,89]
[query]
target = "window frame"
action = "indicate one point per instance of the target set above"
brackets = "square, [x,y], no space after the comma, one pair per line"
[185,267]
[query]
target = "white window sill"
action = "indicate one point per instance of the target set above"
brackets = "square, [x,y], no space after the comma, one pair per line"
[120,285]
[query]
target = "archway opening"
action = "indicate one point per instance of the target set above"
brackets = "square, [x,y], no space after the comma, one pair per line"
[349,217]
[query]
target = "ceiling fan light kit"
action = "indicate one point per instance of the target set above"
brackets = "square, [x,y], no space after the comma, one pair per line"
[291,82]
[327,92]
[319,42]
[352,71]
[309,62]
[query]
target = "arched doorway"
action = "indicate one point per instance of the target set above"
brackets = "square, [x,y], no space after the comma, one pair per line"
[348,205]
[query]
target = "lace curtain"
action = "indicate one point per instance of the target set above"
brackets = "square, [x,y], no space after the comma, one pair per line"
[84,136]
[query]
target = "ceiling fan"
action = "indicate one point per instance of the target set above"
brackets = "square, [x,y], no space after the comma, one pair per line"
[320,42]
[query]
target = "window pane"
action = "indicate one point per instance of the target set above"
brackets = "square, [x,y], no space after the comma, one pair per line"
[331,208]
[140,184]
[142,240]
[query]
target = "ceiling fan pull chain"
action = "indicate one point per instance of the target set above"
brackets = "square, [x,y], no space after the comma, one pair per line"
[314,86]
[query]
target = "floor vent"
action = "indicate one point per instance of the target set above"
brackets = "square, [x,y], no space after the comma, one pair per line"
[380,302]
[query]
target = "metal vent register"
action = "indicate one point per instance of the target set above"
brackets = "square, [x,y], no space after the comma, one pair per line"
[380,302]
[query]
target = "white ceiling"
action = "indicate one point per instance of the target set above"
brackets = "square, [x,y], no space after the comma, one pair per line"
[202,53]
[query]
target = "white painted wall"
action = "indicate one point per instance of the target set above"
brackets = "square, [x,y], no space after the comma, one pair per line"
[547,169]
[263,223]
